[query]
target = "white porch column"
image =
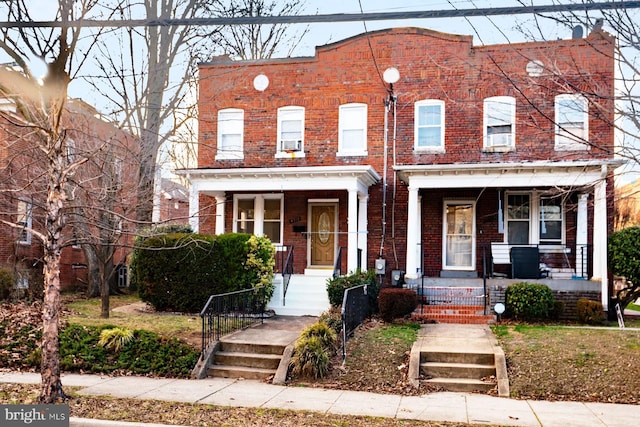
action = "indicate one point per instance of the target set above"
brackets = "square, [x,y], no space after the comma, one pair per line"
[600,239]
[363,229]
[413,235]
[220,206]
[581,236]
[194,208]
[352,231]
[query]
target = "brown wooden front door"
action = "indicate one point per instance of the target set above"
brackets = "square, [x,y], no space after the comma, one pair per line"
[322,236]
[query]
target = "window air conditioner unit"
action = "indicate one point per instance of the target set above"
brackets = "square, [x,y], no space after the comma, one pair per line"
[499,140]
[291,145]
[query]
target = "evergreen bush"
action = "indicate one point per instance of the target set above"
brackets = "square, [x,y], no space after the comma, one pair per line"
[590,312]
[529,301]
[337,286]
[396,303]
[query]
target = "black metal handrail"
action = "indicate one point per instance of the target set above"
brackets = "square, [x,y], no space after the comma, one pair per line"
[287,271]
[337,266]
[355,308]
[230,312]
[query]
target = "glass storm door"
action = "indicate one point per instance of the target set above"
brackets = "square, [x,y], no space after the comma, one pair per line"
[459,241]
[322,236]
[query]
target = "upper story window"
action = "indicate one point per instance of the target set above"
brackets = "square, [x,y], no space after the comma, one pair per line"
[259,214]
[429,125]
[24,217]
[352,130]
[572,122]
[290,130]
[499,123]
[230,134]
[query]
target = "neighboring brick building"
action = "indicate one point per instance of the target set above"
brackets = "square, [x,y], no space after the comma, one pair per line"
[468,146]
[100,187]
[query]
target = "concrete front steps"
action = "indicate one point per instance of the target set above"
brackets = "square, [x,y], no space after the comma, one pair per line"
[246,360]
[306,294]
[461,358]
[463,372]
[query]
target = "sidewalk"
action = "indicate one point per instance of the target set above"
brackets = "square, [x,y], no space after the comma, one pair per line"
[438,407]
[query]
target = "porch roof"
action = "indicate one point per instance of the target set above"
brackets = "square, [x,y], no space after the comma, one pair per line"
[354,177]
[508,174]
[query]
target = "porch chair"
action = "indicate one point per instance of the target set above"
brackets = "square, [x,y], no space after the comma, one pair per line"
[499,255]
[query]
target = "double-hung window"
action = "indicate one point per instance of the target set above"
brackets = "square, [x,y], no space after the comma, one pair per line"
[260,215]
[572,122]
[24,219]
[533,218]
[290,129]
[499,123]
[352,130]
[230,134]
[429,125]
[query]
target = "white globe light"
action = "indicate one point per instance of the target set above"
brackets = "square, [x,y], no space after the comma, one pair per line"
[499,308]
[391,75]
[261,82]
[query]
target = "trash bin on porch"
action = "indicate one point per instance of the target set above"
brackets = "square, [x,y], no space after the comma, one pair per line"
[525,262]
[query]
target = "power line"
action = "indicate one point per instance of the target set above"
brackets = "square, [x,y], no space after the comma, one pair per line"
[326,18]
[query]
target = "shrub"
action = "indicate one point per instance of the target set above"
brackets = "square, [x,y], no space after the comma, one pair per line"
[589,312]
[337,286]
[624,260]
[179,272]
[396,302]
[7,281]
[332,318]
[312,352]
[529,301]
[115,339]
[146,353]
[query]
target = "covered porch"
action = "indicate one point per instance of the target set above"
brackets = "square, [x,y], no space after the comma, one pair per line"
[464,220]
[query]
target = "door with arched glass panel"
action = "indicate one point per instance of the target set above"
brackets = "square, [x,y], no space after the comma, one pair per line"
[322,239]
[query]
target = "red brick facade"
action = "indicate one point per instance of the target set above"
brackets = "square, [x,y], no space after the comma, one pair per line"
[432,66]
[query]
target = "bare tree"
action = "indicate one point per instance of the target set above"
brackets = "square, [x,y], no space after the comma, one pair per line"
[40,107]
[257,41]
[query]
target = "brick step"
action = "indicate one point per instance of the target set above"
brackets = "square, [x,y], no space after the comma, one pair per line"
[227,371]
[251,360]
[446,309]
[456,370]
[463,319]
[461,384]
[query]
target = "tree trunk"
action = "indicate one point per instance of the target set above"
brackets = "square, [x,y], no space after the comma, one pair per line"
[93,271]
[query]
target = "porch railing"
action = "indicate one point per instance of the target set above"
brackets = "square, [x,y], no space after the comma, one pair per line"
[573,257]
[230,312]
[287,271]
[355,308]
[337,266]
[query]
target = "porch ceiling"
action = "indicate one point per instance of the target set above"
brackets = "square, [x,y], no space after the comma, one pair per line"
[357,178]
[507,175]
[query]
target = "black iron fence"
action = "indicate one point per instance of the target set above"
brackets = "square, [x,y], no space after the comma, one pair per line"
[233,311]
[355,308]
[287,271]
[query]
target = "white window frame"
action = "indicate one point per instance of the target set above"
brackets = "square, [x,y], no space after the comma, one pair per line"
[227,119]
[290,112]
[359,122]
[258,209]
[24,218]
[535,219]
[566,137]
[507,142]
[417,126]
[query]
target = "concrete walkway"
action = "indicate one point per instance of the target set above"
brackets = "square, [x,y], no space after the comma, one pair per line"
[439,407]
